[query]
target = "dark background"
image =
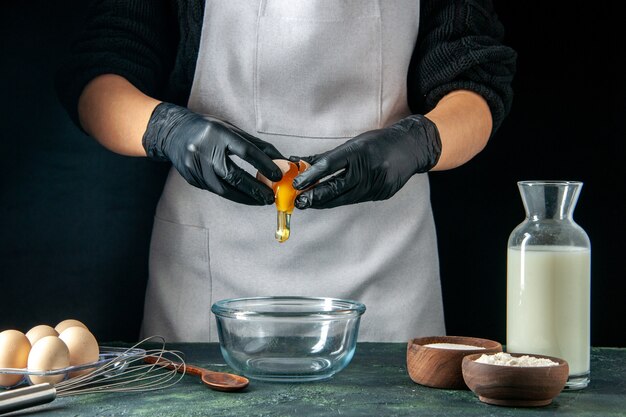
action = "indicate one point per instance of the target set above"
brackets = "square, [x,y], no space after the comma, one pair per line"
[75,219]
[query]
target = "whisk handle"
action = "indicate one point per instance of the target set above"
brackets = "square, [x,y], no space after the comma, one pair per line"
[20,398]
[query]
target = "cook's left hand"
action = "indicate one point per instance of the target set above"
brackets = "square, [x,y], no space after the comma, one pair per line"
[375,164]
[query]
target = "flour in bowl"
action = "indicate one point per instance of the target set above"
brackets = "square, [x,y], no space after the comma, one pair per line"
[506,359]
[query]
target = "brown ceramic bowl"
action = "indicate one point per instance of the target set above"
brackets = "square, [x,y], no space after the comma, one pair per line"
[515,386]
[441,367]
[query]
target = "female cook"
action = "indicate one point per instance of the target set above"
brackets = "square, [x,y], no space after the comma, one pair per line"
[375,92]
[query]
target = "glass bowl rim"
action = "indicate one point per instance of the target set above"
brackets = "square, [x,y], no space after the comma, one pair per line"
[347,308]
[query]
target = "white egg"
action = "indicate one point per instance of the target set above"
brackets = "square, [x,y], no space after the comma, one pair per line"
[83,347]
[40,331]
[14,349]
[47,354]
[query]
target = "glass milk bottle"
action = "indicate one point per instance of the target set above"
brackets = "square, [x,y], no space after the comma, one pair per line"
[549,279]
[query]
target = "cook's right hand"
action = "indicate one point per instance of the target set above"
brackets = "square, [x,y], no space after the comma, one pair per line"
[199,148]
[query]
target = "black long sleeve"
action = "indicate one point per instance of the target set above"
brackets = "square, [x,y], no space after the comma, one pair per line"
[459,46]
[134,39]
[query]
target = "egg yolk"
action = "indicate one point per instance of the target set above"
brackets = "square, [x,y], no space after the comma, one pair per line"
[285,196]
[284,192]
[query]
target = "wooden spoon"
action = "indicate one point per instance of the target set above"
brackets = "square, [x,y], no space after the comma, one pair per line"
[220,381]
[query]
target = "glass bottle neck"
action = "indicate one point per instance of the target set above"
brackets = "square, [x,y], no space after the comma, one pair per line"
[545,200]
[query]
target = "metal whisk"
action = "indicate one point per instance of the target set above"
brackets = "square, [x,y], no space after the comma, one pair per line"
[126,372]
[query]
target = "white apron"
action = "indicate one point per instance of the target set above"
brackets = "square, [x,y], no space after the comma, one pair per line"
[305,75]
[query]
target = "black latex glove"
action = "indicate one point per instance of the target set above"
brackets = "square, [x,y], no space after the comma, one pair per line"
[375,164]
[199,148]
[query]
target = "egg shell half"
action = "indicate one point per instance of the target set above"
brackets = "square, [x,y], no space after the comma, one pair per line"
[48,354]
[14,350]
[284,166]
[83,347]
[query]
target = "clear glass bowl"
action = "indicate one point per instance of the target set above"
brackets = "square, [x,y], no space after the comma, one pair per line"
[288,339]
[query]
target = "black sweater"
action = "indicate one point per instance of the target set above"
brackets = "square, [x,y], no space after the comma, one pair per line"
[154,45]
